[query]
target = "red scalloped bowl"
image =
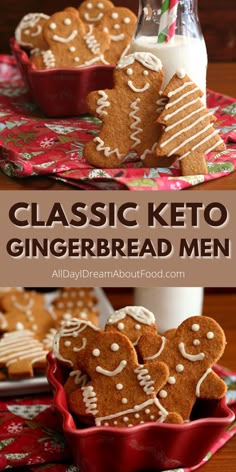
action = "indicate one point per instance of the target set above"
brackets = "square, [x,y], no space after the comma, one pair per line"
[61,92]
[149,446]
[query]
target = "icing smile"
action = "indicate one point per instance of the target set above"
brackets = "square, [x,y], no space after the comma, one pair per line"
[38,31]
[110,373]
[93,18]
[69,38]
[191,357]
[77,349]
[135,89]
[118,37]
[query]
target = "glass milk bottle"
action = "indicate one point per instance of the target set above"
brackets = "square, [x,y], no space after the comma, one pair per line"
[170,305]
[170,29]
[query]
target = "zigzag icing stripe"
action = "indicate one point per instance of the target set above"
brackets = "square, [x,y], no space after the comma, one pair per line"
[137,120]
[91,41]
[90,399]
[145,380]
[107,150]
[102,103]
[49,59]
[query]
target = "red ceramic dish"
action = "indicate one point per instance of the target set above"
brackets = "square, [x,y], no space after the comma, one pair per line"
[150,446]
[61,92]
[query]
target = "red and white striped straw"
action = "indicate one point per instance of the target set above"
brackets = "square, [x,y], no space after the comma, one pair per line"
[172,16]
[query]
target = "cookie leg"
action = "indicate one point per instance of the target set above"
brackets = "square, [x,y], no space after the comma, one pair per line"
[174,418]
[193,164]
[99,155]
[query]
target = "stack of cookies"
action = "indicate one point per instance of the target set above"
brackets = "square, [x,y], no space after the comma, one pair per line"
[27,326]
[95,33]
[128,374]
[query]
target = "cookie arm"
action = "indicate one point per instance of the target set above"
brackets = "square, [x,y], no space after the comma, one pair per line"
[98,103]
[159,373]
[210,385]
[150,346]
[83,401]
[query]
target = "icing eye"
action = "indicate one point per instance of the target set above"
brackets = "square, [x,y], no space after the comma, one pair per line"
[67,21]
[145,72]
[116,26]
[120,326]
[89,6]
[27,32]
[72,48]
[126,20]
[52,26]
[119,386]
[114,16]
[67,343]
[195,327]
[210,335]
[115,347]
[196,342]
[96,352]
[129,71]
[100,5]
[106,30]
[137,326]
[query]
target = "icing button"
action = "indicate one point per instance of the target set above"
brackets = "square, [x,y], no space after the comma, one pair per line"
[210,335]
[179,368]
[163,393]
[195,327]
[171,380]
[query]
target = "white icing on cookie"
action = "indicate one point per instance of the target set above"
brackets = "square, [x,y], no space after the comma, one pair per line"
[147,59]
[198,386]
[138,313]
[144,379]
[68,39]
[111,373]
[191,357]
[157,354]
[106,149]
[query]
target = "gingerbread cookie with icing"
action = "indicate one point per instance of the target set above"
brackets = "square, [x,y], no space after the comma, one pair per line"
[71,299]
[21,301]
[188,132]
[29,32]
[22,355]
[120,23]
[71,43]
[71,340]
[189,353]
[38,320]
[92,11]
[128,113]
[133,321]
[121,392]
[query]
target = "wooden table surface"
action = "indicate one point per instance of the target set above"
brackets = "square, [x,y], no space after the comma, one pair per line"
[221,78]
[220,305]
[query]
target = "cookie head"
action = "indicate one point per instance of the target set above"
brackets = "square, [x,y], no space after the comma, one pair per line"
[92,11]
[62,28]
[201,339]
[132,321]
[119,23]
[109,355]
[29,31]
[140,71]
[72,339]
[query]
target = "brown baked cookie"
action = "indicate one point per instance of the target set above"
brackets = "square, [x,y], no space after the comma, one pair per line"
[190,354]
[120,23]
[22,355]
[70,299]
[188,126]
[29,31]
[133,321]
[121,392]
[22,301]
[71,340]
[128,113]
[71,43]
[59,316]
[38,320]
[92,11]
[8,290]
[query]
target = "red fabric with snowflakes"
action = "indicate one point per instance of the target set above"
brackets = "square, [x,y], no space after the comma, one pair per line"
[32,144]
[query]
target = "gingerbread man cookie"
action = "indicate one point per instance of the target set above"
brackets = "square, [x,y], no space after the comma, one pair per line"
[128,113]
[38,320]
[133,321]
[120,23]
[22,354]
[121,392]
[92,11]
[29,31]
[71,43]
[22,301]
[70,299]
[189,354]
